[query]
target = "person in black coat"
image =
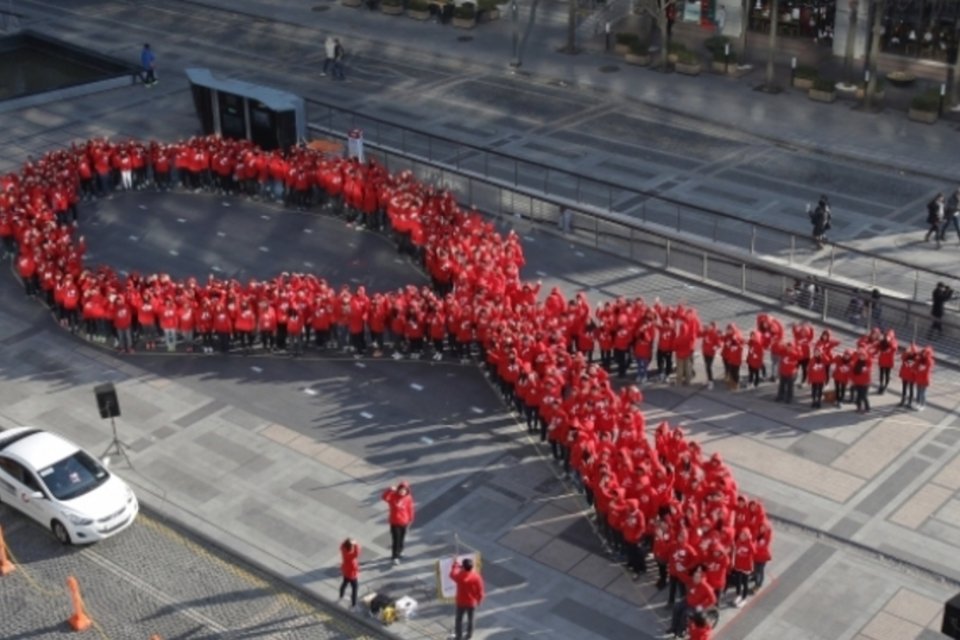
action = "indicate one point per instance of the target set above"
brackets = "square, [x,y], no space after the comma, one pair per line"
[941,294]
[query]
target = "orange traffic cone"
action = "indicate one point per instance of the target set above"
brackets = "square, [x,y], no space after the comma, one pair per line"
[6,566]
[79,621]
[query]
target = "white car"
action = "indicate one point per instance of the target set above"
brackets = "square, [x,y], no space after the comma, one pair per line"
[63,487]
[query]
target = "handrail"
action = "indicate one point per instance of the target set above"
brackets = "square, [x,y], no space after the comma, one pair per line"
[611,185]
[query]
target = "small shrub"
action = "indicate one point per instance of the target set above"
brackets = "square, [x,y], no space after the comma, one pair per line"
[676,48]
[687,57]
[627,39]
[806,72]
[718,56]
[926,101]
[824,84]
[466,11]
[487,5]
[640,47]
[418,5]
[716,44]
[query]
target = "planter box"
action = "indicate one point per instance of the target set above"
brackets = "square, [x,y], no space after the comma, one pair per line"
[418,15]
[688,69]
[803,83]
[822,96]
[488,16]
[726,69]
[640,60]
[672,58]
[621,49]
[861,94]
[464,23]
[928,117]
[351,3]
[391,9]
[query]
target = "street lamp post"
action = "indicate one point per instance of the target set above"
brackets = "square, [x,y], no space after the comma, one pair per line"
[515,17]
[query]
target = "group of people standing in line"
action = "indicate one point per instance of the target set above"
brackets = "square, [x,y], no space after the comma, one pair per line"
[666,499]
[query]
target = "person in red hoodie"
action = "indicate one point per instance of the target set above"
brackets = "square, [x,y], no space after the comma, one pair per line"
[842,370]
[861,380]
[789,360]
[470,595]
[744,552]
[400,501]
[710,341]
[762,554]
[755,356]
[886,358]
[350,569]
[818,371]
[700,597]
[908,375]
[699,627]
[924,369]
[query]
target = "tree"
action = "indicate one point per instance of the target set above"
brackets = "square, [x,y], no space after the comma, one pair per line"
[657,10]
[770,84]
[878,10]
[851,44]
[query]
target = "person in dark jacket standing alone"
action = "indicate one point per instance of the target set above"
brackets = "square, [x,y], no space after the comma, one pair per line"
[400,501]
[941,294]
[469,595]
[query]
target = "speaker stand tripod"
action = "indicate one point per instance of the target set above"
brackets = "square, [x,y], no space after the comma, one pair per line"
[115,447]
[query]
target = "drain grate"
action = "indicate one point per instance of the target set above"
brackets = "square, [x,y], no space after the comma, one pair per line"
[609,68]
[320,7]
[464,38]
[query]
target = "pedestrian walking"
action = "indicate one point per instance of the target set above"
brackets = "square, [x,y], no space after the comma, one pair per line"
[941,294]
[400,501]
[952,211]
[338,55]
[469,596]
[350,569]
[148,66]
[329,52]
[935,218]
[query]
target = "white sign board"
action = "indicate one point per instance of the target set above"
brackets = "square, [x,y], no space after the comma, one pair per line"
[445,586]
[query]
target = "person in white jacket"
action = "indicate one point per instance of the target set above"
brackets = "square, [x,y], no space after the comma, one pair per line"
[330,49]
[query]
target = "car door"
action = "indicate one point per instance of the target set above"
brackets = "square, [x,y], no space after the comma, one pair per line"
[19,485]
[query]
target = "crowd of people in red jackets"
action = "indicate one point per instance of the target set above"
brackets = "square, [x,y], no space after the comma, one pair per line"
[661,497]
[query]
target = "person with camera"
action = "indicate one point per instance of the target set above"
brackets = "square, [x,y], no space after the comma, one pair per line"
[470,593]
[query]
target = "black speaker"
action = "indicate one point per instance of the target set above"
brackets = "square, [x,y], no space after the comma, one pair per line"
[107,400]
[951,618]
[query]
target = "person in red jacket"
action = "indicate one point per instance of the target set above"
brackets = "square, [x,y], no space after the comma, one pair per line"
[842,370]
[818,371]
[908,375]
[699,627]
[700,597]
[924,370]
[886,358]
[744,552]
[762,554]
[400,501]
[789,361]
[470,595]
[861,380]
[709,345]
[350,569]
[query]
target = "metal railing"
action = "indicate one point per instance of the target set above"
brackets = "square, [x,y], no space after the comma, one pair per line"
[779,245]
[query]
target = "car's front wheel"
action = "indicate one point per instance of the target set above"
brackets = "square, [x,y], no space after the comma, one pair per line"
[60,532]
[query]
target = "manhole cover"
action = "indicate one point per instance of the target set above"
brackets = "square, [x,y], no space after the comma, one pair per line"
[320,7]
[464,38]
[609,68]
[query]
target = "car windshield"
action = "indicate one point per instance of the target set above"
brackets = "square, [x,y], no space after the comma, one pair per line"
[74,476]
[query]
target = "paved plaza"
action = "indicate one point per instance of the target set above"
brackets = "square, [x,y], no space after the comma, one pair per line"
[277,460]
